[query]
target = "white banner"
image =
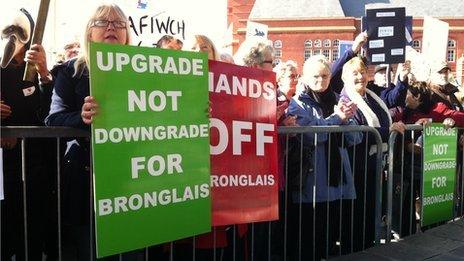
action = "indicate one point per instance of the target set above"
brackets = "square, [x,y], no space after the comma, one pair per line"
[434,39]
[151,19]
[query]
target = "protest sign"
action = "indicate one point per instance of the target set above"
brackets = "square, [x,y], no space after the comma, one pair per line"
[386,33]
[149,20]
[435,39]
[150,146]
[419,65]
[256,30]
[344,46]
[439,172]
[243,144]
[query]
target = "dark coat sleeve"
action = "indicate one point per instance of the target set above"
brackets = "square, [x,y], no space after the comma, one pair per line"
[67,99]
[336,82]
[395,95]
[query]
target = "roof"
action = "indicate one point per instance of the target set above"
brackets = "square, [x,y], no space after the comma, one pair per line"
[294,9]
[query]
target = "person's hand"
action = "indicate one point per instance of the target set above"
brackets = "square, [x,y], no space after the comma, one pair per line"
[404,70]
[398,126]
[37,56]
[8,142]
[289,121]
[5,110]
[359,41]
[352,106]
[424,121]
[343,111]
[449,123]
[89,109]
[281,110]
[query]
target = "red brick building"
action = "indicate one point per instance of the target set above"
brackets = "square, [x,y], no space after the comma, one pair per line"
[300,29]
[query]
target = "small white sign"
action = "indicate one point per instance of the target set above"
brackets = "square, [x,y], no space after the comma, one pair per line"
[376,44]
[378,57]
[435,39]
[386,31]
[256,30]
[385,14]
[398,51]
[29,91]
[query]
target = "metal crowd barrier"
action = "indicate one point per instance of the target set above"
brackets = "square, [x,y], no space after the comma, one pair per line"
[404,185]
[262,241]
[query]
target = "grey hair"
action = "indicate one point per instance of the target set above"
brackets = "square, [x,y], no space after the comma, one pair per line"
[257,54]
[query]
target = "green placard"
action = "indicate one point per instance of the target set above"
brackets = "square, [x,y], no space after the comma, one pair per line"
[150,144]
[439,171]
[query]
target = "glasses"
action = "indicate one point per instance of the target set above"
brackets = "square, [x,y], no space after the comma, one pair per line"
[105,23]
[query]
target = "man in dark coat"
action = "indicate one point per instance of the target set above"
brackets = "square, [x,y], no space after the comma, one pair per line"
[25,103]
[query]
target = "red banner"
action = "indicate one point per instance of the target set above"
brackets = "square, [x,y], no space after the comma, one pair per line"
[243,144]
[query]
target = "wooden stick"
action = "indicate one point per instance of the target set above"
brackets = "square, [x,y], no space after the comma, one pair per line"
[30,72]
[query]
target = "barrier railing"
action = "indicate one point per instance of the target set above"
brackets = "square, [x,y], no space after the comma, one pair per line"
[284,239]
[404,186]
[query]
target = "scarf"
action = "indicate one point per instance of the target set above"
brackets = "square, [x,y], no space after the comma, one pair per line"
[326,101]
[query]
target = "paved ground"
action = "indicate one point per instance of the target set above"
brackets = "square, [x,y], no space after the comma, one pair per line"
[441,243]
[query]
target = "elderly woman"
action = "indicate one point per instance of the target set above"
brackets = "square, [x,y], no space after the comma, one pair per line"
[372,111]
[319,181]
[287,78]
[72,106]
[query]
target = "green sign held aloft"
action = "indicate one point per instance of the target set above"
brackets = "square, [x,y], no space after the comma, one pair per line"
[150,144]
[439,172]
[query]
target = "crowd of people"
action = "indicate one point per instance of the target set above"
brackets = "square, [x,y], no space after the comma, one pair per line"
[340,207]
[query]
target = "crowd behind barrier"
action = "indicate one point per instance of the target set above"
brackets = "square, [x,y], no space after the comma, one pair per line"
[338,194]
[299,234]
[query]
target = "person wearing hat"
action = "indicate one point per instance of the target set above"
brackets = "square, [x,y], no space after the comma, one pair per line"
[395,94]
[442,90]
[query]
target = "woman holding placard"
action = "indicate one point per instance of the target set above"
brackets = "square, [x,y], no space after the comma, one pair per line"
[72,106]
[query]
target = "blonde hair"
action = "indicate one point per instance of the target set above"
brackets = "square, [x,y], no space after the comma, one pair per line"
[311,63]
[102,11]
[257,54]
[199,38]
[355,64]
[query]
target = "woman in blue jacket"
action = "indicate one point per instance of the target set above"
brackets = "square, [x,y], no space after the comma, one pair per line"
[326,174]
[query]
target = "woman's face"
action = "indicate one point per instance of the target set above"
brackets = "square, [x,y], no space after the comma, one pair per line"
[318,77]
[201,46]
[111,30]
[356,79]
[267,63]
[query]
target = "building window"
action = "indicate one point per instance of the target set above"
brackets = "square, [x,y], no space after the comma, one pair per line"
[277,53]
[307,54]
[276,62]
[308,44]
[317,43]
[336,43]
[416,44]
[334,55]
[451,55]
[326,53]
[277,44]
[317,52]
[327,43]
